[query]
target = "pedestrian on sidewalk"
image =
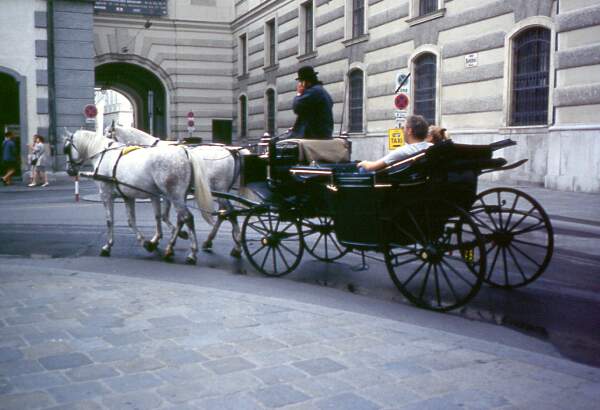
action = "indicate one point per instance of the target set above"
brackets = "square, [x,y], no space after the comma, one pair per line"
[9,158]
[38,162]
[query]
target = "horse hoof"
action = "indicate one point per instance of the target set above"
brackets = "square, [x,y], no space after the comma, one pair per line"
[236,253]
[190,260]
[168,258]
[183,235]
[207,245]
[150,246]
[105,252]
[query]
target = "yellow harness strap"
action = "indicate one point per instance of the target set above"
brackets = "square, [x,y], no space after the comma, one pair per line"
[127,150]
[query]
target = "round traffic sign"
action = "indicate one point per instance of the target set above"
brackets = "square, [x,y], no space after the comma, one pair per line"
[401,101]
[90,111]
[191,123]
[191,114]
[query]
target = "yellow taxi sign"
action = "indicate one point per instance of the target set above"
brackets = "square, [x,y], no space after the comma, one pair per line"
[395,138]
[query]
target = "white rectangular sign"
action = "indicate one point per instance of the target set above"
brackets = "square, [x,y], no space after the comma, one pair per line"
[471,60]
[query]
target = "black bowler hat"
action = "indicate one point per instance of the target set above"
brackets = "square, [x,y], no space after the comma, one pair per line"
[307,73]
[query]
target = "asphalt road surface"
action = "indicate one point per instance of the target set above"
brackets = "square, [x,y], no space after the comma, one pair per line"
[562,308]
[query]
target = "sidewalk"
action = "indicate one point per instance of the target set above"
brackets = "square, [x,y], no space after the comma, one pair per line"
[75,339]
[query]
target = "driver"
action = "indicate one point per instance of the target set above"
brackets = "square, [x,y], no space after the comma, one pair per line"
[313,106]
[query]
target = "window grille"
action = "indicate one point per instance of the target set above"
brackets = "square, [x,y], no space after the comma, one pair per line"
[243,53]
[531,67]
[271,45]
[308,27]
[356,101]
[427,6]
[243,116]
[358,18]
[271,112]
[425,86]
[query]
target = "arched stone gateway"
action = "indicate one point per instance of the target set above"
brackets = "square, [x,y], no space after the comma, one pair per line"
[144,88]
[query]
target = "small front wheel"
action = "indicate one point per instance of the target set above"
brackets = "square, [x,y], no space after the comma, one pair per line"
[272,245]
[318,235]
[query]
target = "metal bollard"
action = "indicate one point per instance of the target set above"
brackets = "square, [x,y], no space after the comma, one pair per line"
[77,188]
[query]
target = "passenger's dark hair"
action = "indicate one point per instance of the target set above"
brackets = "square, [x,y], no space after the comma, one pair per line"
[419,126]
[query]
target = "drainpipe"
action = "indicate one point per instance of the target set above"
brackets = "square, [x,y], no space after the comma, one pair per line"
[51,86]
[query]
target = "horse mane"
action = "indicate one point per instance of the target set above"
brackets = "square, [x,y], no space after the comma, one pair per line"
[90,143]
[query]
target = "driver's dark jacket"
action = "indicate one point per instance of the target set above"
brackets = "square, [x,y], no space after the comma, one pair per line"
[315,115]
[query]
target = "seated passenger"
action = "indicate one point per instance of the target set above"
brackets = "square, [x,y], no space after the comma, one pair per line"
[436,134]
[415,133]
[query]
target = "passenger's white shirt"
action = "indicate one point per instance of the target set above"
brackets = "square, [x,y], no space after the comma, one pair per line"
[405,151]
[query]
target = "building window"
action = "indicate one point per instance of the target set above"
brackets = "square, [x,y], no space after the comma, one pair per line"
[307,31]
[425,67]
[427,7]
[530,78]
[356,80]
[358,18]
[243,117]
[243,54]
[271,126]
[270,43]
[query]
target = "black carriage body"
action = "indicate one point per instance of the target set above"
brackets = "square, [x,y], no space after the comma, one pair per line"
[365,206]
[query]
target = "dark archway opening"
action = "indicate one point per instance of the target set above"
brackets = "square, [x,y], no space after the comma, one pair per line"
[9,111]
[144,88]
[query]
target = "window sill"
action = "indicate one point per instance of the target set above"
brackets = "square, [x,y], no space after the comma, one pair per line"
[243,76]
[519,129]
[413,21]
[356,40]
[307,56]
[268,69]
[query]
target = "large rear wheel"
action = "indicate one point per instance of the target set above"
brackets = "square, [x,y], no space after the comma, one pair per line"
[443,266]
[518,235]
[272,245]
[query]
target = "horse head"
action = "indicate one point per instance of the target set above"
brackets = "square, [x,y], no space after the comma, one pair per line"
[74,158]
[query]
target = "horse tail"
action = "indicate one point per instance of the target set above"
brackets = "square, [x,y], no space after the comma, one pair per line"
[202,192]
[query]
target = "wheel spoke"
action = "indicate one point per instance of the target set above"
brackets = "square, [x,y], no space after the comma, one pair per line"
[424,285]
[413,274]
[258,250]
[500,213]
[485,206]
[406,261]
[527,256]
[505,266]
[449,283]
[535,227]
[491,271]
[437,285]
[457,273]
[262,265]
[525,215]
[512,210]
[515,260]
[542,246]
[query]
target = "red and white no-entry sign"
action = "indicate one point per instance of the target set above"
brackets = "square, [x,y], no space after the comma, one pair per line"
[191,123]
[401,101]
[90,111]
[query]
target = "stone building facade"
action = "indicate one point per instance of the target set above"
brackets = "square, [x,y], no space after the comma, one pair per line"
[484,69]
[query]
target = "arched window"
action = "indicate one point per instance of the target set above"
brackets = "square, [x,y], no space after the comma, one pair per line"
[425,72]
[530,77]
[355,109]
[243,117]
[271,126]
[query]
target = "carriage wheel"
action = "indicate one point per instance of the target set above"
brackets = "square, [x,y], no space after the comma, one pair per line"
[518,235]
[320,240]
[444,266]
[273,246]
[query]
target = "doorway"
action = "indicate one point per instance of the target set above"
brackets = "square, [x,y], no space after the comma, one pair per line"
[9,114]
[221,131]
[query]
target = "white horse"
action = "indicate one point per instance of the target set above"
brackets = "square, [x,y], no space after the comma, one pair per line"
[222,167]
[142,173]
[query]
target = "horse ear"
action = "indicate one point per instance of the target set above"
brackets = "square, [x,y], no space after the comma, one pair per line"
[67,133]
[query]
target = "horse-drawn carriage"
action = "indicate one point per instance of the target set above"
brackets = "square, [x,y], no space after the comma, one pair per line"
[439,238]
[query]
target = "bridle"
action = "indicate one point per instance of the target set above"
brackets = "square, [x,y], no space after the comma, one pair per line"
[68,151]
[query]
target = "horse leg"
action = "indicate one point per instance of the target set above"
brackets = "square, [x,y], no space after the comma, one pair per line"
[130,207]
[165,218]
[236,251]
[188,219]
[109,209]
[153,243]
[207,244]
[169,249]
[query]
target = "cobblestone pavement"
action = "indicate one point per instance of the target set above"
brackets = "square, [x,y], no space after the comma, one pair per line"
[82,340]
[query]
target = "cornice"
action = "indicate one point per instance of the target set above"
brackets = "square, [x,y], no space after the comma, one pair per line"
[257,11]
[138,22]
